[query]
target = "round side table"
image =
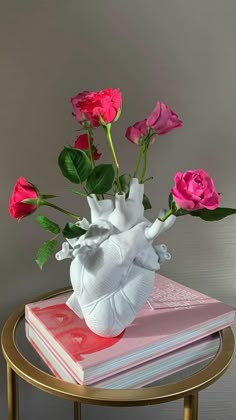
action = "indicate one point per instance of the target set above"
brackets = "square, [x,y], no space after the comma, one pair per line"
[23,361]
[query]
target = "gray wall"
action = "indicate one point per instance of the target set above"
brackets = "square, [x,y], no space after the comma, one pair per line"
[182,52]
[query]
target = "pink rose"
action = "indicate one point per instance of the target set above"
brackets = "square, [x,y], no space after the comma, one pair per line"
[78,102]
[81,143]
[90,106]
[137,132]
[162,119]
[195,190]
[21,191]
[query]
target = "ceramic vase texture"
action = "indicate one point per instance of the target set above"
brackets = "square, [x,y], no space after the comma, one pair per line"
[114,263]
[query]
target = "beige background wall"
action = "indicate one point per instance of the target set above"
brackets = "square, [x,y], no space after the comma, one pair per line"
[182,52]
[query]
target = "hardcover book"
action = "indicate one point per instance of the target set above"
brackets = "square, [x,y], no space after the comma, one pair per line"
[138,376]
[174,316]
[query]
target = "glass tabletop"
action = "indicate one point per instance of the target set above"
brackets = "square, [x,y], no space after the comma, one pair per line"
[170,376]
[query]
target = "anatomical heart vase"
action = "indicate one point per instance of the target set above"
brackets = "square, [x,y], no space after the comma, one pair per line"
[114,263]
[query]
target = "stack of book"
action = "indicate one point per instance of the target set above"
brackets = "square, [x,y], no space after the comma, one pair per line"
[176,329]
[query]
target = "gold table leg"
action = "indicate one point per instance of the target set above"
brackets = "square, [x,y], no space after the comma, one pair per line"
[77,410]
[12,395]
[191,407]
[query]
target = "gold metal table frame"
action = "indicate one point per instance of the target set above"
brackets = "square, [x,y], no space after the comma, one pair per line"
[188,388]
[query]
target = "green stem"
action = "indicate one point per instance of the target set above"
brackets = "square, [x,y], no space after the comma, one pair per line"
[144,165]
[147,179]
[85,189]
[140,154]
[46,203]
[112,195]
[90,133]
[166,215]
[117,168]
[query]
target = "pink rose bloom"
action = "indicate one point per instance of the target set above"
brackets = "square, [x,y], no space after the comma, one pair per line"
[78,113]
[137,132]
[162,119]
[90,106]
[81,143]
[21,191]
[195,190]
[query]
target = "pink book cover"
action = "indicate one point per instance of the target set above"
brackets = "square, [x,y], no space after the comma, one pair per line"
[50,363]
[207,348]
[180,315]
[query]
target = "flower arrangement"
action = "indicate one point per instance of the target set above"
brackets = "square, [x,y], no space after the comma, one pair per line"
[193,192]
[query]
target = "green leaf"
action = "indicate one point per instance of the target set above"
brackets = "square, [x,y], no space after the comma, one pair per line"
[72,231]
[48,224]
[34,187]
[146,202]
[125,180]
[75,165]
[45,251]
[213,215]
[84,194]
[173,207]
[101,179]
[170,200]
[34,201]
[181,212]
